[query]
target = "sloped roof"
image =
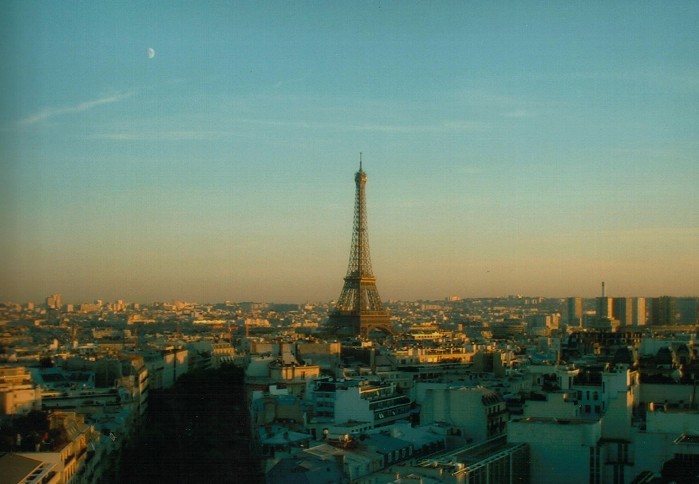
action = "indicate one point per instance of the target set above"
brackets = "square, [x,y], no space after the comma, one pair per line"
[15,468]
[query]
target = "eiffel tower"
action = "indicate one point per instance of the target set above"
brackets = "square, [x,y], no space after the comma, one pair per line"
[359,309]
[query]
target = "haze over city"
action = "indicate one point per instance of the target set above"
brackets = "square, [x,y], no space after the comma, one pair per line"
[175,150]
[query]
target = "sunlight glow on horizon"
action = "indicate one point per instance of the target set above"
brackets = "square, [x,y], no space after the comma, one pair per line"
[536,149]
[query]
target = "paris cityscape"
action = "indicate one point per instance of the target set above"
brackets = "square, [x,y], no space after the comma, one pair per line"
[514,185]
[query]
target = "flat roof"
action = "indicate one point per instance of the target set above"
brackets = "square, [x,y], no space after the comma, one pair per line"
[560,421]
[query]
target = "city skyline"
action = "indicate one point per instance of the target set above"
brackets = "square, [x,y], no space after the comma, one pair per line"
[171,151]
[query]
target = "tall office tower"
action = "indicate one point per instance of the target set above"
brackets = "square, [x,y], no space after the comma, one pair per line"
[622,309]
[574,317]
[663,311]
[359,309]
[605,307]
[54,301]
[638,306]
[688,310]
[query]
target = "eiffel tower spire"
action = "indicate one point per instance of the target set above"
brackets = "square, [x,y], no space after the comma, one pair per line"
[359,309]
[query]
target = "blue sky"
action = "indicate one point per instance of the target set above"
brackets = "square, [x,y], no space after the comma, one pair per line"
[511,147]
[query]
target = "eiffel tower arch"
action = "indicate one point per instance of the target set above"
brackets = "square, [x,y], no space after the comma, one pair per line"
[359,309]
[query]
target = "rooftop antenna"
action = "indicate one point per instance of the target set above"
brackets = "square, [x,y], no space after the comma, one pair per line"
[360,161]
[603,293]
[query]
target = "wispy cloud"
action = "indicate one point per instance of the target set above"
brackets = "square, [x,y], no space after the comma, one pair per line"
[518,113]
[445,126]
[488,97]
[50,112]
[164,135]
[282,83]
[488,103]
[259,127]
[683,78]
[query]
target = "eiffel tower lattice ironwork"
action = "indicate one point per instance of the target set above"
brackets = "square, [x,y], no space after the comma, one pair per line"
[359,309]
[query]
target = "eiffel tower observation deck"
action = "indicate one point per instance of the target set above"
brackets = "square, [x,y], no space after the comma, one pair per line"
[359,310]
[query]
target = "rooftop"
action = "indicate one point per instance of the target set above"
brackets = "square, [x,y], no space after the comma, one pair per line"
[550,420]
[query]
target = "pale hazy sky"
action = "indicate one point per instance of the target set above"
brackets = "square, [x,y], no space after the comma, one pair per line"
[531,148]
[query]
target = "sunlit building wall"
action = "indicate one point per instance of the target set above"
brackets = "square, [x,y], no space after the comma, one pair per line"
[18,394]
[639,310]
[622,309]
[575,311]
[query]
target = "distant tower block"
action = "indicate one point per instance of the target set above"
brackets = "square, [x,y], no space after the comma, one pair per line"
[359,309]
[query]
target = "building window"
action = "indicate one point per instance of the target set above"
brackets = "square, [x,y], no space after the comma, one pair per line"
[595,465]
[595,396]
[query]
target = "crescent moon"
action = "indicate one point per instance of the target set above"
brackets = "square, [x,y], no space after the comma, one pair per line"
[151,52]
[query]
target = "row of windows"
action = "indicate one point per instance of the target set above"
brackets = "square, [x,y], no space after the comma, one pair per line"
[391,413]
[391,402]
[398,454]
[495,408]
[595,395]
[588,408]
[595,465]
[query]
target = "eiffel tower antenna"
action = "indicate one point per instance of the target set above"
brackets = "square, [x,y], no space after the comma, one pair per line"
[359,309]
